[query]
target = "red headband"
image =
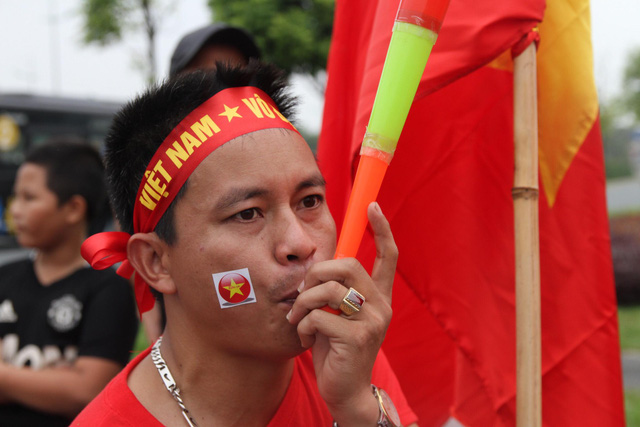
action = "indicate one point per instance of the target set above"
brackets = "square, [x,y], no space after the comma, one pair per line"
[227,115]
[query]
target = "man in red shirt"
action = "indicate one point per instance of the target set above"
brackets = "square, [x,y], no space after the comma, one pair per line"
[224,215]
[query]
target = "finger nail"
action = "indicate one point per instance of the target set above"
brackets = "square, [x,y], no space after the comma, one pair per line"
[289,314]
[301,287]
[376,206]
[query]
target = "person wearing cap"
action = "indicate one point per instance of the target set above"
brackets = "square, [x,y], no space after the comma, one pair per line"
[219,42]
[223,212]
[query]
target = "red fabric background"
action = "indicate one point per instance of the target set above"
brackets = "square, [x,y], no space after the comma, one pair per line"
[447,194]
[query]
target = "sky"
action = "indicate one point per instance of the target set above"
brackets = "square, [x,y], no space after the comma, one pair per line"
[614,33]
[41,51]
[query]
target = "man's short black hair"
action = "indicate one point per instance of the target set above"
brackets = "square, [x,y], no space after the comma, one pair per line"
[73,167]
[141,126]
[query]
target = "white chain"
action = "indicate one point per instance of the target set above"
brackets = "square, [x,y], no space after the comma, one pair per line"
[169,382]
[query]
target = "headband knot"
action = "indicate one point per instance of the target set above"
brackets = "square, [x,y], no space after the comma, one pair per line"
[103,250]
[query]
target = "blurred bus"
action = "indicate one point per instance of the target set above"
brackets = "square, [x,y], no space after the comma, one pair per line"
[27,121]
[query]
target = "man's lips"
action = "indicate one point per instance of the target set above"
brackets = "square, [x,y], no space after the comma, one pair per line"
[290,297]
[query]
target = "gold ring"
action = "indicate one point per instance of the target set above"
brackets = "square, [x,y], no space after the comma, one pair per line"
[352,302]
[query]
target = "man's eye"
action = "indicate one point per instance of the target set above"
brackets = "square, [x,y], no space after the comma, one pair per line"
[311,201]
[247,214]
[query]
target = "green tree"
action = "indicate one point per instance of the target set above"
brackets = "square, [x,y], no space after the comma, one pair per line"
[632,84]
[105,21]
[294,34]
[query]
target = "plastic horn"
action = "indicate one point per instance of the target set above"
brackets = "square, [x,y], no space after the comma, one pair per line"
[415,32]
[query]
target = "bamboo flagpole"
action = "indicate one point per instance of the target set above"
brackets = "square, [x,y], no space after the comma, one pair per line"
[527,244]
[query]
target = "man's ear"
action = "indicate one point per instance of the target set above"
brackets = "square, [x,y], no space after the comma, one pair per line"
[148,254]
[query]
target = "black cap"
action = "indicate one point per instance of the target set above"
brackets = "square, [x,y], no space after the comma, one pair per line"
[219,32]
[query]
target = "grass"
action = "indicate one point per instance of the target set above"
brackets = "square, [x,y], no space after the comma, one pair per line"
[632,407]
[141,343]
[629,320]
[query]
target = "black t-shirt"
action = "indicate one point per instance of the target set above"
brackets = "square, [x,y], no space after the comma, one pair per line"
[88,313]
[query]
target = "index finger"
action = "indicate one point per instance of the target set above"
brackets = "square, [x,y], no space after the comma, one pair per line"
[384,266]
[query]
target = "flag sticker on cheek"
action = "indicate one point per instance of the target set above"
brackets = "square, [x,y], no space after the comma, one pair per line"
[234,288]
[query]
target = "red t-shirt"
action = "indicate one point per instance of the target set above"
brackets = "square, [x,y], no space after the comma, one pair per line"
[117,406]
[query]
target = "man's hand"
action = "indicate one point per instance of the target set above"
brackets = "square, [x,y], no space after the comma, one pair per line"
[345,347]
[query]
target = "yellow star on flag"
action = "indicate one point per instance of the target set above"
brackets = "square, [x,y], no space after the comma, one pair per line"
[230,113]
[234,288]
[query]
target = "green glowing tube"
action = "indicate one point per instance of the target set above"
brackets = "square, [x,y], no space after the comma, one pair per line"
[409,50]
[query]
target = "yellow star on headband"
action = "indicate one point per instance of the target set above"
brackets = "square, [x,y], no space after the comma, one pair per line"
[234,288]
[230,113]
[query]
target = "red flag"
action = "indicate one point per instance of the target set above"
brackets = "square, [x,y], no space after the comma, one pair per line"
[447,194]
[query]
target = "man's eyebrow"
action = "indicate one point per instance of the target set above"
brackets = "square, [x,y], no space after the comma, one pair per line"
[237,195]
[314,181]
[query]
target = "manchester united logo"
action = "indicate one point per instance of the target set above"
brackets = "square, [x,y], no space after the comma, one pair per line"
[64,313]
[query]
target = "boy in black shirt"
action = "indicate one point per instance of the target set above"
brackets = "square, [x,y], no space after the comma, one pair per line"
[65,329]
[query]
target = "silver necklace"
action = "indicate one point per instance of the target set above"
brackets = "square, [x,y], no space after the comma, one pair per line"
[169,382]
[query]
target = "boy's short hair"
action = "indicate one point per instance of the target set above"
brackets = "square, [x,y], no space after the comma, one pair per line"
[141,126]
[73,167]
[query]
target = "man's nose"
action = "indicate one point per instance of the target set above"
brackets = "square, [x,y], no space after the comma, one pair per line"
[294,244]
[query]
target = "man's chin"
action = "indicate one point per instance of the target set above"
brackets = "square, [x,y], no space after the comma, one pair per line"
[292,346]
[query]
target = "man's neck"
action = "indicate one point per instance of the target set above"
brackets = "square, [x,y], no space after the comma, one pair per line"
[217,388]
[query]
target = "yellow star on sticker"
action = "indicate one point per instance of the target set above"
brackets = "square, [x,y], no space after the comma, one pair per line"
[234,288]
[230,113]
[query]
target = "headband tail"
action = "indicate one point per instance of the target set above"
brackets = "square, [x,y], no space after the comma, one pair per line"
[144,297]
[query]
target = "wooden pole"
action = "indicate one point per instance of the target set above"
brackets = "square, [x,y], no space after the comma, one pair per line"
[527,245]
